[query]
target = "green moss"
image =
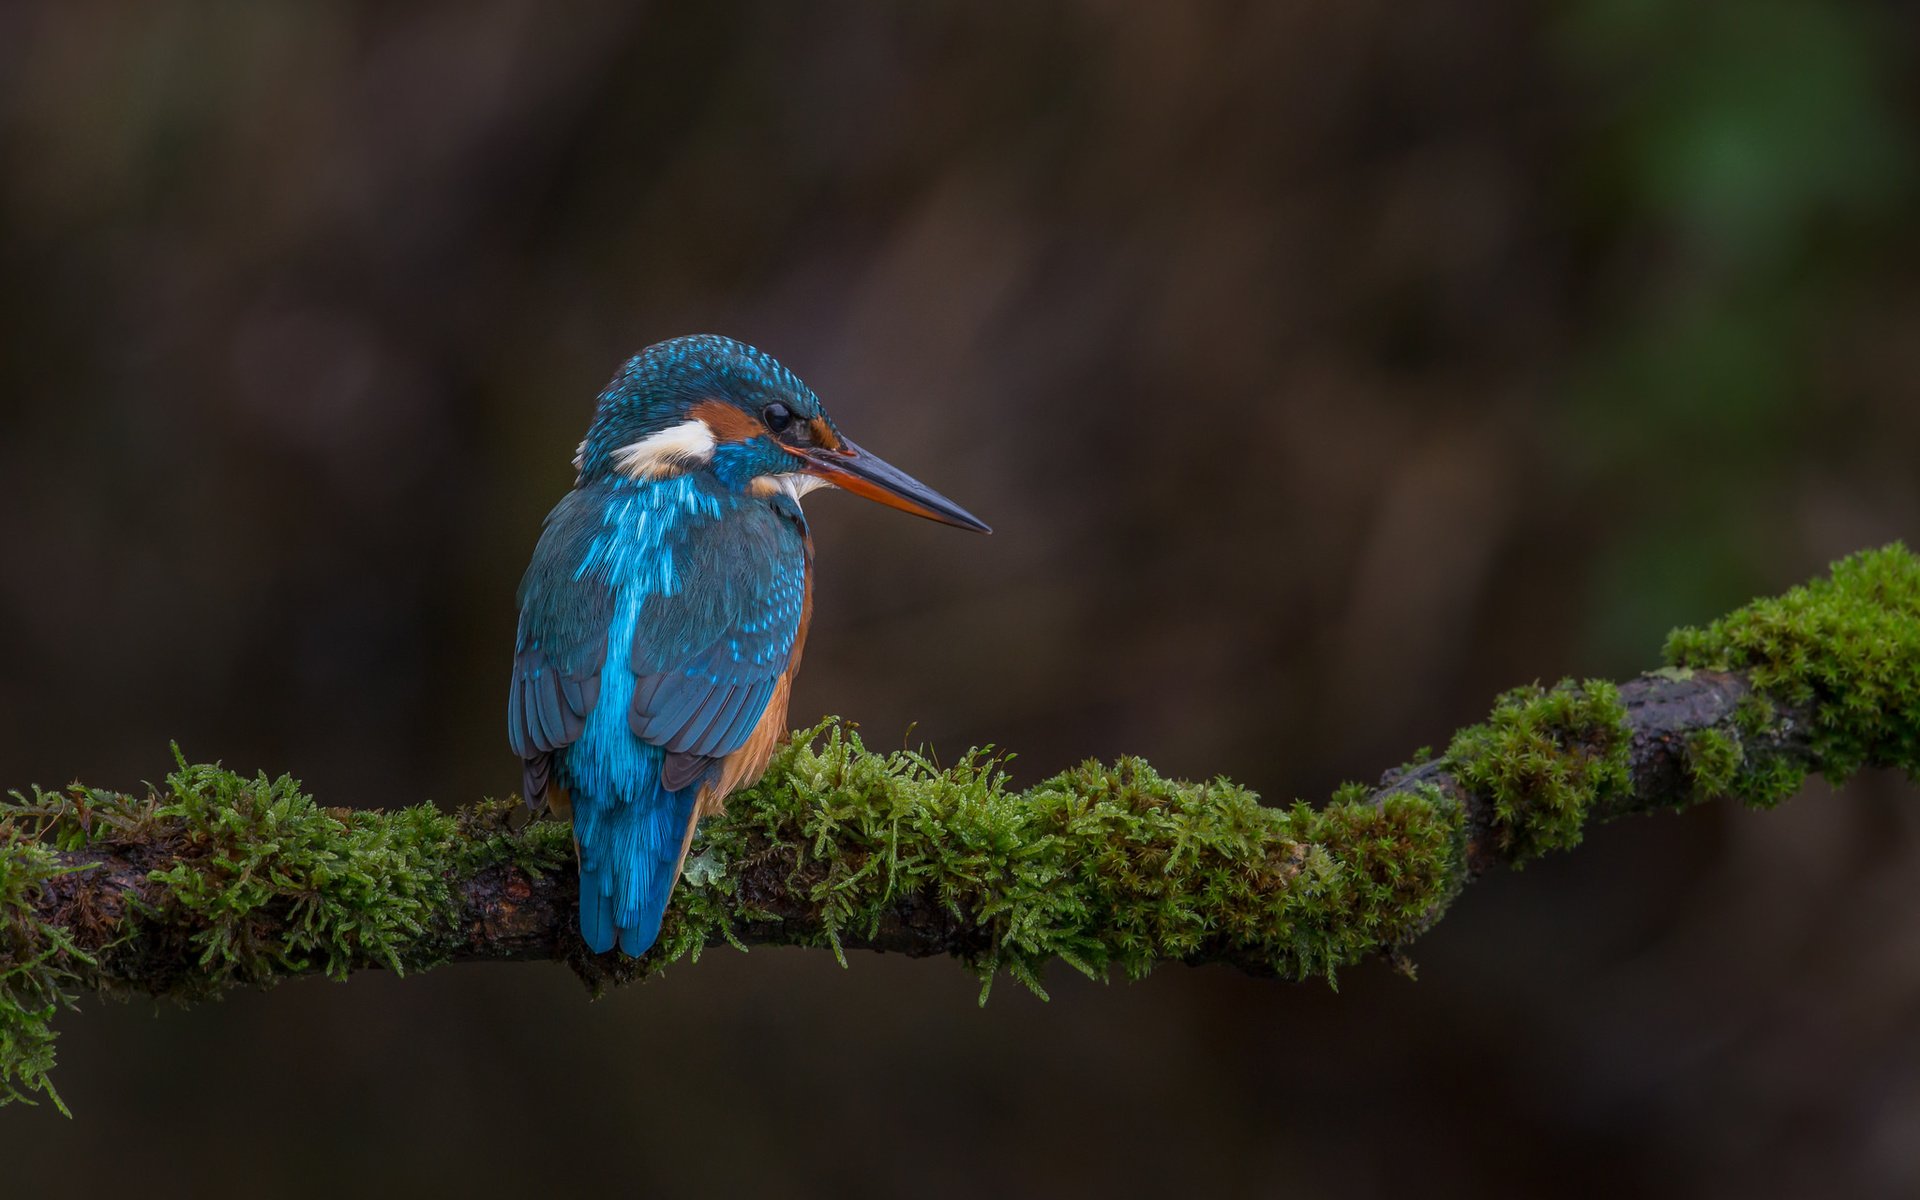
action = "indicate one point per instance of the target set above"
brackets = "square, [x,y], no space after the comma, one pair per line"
[1105,866]
[1770,783]
[1764,777]
[1845,650]
[1545,757]
[1713,763]
[270,882]
[1721,768]
[260,882]
[1755,716]
[36,975]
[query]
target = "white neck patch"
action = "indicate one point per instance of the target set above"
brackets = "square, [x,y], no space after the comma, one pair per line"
[667,452]
[793,483]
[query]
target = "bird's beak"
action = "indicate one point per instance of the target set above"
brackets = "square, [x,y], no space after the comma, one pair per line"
[854,470]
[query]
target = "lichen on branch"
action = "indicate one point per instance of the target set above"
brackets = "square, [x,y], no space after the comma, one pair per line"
[215,879]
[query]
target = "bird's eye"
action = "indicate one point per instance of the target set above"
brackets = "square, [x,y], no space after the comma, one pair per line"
[777,416]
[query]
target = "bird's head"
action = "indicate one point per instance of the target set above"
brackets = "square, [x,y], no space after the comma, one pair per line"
[709,403]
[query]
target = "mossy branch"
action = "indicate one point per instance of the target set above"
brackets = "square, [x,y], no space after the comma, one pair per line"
[213,879]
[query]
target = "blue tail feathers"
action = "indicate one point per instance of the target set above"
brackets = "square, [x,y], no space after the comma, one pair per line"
[596,908]
[629,852]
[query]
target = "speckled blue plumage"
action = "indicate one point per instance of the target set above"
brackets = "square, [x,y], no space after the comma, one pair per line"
[656,619]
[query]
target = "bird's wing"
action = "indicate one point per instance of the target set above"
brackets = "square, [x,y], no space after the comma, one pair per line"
[560,647]
[708,657]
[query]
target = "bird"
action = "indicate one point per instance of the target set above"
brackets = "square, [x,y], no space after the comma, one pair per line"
[665,610]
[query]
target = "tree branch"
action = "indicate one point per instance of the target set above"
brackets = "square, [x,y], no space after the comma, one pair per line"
[216,880]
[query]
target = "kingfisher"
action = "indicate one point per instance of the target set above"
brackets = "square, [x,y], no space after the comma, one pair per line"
[666,607]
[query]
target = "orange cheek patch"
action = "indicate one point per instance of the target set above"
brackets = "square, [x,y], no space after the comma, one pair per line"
[728,423]
[823,434]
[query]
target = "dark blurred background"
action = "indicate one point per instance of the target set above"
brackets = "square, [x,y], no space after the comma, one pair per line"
[1323,368]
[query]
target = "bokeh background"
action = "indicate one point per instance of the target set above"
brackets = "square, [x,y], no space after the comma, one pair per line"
[1324,369]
